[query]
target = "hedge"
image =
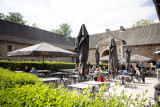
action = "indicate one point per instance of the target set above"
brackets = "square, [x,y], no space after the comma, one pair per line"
[9,78]
[53,66]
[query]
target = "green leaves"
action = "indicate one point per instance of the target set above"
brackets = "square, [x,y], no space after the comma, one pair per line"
[22,89]
[65,29]
[10,79]
[142,22]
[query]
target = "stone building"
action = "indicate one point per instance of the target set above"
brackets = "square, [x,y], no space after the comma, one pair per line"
[143,40]
[15,36]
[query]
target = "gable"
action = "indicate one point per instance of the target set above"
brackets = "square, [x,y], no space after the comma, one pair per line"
[107,38]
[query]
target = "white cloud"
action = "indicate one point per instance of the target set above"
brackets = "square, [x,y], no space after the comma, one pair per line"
[97,15]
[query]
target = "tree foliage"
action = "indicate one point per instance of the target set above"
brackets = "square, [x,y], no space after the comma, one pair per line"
[35,25]
[142,22]
[2,15]
[65,29]
[15,17]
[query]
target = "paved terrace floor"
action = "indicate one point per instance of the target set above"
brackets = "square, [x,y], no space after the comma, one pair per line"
[148,85]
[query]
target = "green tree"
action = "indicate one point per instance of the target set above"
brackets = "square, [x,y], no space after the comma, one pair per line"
[64,29]
[35,25]
[142,22]
[2,16]
[15,17]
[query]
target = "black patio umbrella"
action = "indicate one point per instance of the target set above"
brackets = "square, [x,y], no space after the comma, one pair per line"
[42,50]
[128,56]
[76,51]
[83,48]
[113,60]
[97,56]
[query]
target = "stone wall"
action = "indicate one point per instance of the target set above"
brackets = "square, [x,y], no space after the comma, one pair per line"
[91,57]
[15,46]
[144,50]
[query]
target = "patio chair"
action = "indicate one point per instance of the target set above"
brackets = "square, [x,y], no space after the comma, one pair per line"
[107,88]
[57,83]
[66,83]
[129,82]
[117,79]
[110,78]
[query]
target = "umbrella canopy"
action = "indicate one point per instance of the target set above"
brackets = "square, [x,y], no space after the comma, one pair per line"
[128,55]
[106,58]
[83,48]
[97,56]
[113,60]
[157,52]
[139,58]
[42,49]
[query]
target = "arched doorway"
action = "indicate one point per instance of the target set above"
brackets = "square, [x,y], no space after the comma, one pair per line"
[103,54]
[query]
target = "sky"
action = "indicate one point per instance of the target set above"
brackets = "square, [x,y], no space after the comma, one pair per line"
[97,15]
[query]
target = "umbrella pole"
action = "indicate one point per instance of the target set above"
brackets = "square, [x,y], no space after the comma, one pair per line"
[43,62]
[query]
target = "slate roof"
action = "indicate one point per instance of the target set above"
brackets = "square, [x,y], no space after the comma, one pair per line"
[94,38]
[10,31]
[142,35]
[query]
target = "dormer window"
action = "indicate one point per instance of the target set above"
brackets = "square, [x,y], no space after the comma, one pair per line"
[108,38]
[67,38]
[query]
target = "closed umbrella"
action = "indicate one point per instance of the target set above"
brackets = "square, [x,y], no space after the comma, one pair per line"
[76,51]
[128,55]
[83,48]
[97,56]
[113,60]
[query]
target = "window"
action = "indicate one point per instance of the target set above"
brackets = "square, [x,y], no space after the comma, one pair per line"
[108,38]
[119,50]
[9,48]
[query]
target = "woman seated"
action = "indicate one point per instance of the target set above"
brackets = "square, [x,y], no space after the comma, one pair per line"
[98,75]
[93,68]
[137,73]
[125,72]
[34,71]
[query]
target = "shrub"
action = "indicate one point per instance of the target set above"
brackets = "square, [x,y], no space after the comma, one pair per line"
[53,66]
[41,95]
[22,89]
[10,79]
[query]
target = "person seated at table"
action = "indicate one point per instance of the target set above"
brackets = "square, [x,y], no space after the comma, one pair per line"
[96,74]
[76,67]
[26,69]
[125,72]
[123,67]
[93,68]
[99,75]
[34,71]
[104,67]
[100,69]
[137,73]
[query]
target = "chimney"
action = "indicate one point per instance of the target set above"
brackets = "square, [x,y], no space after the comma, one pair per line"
[107,31]
[122,28]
